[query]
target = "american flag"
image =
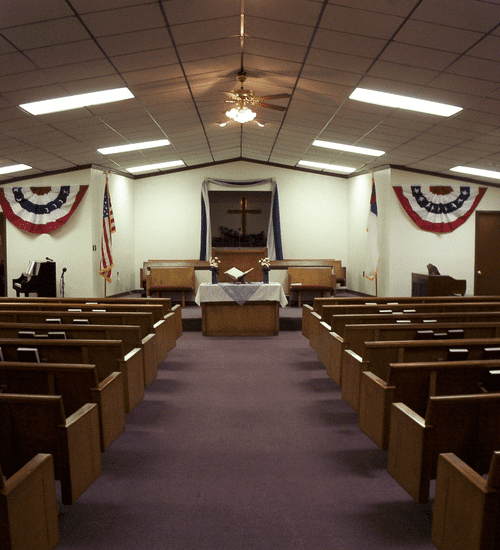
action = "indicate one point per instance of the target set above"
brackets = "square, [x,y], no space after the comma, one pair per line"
[372,250]
[108,228]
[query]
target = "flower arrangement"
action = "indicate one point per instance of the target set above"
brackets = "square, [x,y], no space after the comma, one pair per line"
[214,262]
[265,263]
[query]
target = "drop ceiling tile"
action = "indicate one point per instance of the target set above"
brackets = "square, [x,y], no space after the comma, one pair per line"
[279,31]
[135,41]
[407,54]
[198,10]
[360,22]
[403,73]
[27,12]
[474,67]
[46,33]
[122,20]
[204,31]
[353,44]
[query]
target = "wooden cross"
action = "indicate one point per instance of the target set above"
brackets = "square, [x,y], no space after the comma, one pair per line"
[244,211]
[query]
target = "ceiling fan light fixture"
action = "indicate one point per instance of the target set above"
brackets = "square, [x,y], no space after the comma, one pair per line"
[241,115]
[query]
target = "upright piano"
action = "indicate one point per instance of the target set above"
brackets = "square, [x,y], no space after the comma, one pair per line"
[437,285]
[39,279]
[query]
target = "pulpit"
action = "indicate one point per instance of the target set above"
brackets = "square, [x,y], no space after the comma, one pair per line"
[241,258]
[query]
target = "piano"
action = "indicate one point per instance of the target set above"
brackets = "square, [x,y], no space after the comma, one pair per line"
[39,279]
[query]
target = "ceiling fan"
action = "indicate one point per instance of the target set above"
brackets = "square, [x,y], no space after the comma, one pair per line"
[243,98]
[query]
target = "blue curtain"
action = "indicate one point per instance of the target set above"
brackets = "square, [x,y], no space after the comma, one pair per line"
[274,244]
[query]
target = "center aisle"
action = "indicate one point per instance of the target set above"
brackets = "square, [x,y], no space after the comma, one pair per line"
[244,443]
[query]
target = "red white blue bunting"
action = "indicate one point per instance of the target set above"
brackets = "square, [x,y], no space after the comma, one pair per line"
[40,209]
[439,209]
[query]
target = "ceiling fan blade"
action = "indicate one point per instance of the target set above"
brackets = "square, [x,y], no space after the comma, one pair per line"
[269,106]
[274,96]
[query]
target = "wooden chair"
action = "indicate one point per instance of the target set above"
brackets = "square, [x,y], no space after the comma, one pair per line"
[466,425]
[466,511]
[310,279]
[32,424]
[28,507]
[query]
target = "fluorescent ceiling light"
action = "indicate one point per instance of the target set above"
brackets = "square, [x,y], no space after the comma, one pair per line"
[14,168]
[157,166]
[403,102]
[134,146]
[323,166]
[348,148]
[76,101]
[477,172]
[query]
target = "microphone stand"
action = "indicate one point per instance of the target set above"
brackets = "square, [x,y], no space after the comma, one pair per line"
[62,282]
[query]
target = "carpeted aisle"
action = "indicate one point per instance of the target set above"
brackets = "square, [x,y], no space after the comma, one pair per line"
[243,444]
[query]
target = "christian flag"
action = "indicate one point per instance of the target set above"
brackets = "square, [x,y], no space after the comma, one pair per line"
[372,251]
[108,228]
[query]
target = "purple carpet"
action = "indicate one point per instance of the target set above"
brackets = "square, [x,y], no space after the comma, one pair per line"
[244,444]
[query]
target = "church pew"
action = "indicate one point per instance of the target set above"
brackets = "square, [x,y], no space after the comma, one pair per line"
[466,509]
[466,425]
[413,384]
[310,279]
[165,332]
[28,507]
[32,424]
[377,356]
[329,312]
[77,385]
[143,320]
[331,346]
[130,335]
[170,279]
[106,355]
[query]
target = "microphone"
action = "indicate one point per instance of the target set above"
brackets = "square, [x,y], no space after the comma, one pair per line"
[64,269]
[49,259]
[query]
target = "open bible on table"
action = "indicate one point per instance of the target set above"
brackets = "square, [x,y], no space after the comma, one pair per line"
[237,275]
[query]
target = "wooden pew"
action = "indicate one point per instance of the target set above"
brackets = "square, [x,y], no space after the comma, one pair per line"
[165,330]
[143,320]
[413,384]
[310,279]
[466,425]
[331,346]
[130,335]
[170,279]
[28,507]
[106,355]
[466,510]
[377,357]
[32,424]
[77,385]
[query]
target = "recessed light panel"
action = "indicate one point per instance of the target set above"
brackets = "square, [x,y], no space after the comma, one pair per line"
[14,168]
[404,102]
[134,147]
[477,172]
[158,166]
[329,167]
[76,101]
[348,148]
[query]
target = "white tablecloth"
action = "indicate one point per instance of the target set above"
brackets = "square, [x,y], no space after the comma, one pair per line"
[252,292]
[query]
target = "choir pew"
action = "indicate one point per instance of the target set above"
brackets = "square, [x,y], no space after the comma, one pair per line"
[130,335]
[377,356]
[466,425]
[107,355]
[32,424]
[77,385]
[413,384]
[332,346]
[28,507]
[466,510]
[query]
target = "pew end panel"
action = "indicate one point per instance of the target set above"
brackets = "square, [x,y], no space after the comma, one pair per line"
[324,344]
[177,310]
[28,507]
[306,320]
[132,368]
[352,367]
[375,404]
[466,511]
[408,463]
[314,330]
[334,365]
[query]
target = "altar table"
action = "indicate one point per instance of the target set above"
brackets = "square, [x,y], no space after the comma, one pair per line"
[240,309]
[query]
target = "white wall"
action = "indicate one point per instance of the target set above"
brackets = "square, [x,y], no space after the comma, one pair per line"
[321,217]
